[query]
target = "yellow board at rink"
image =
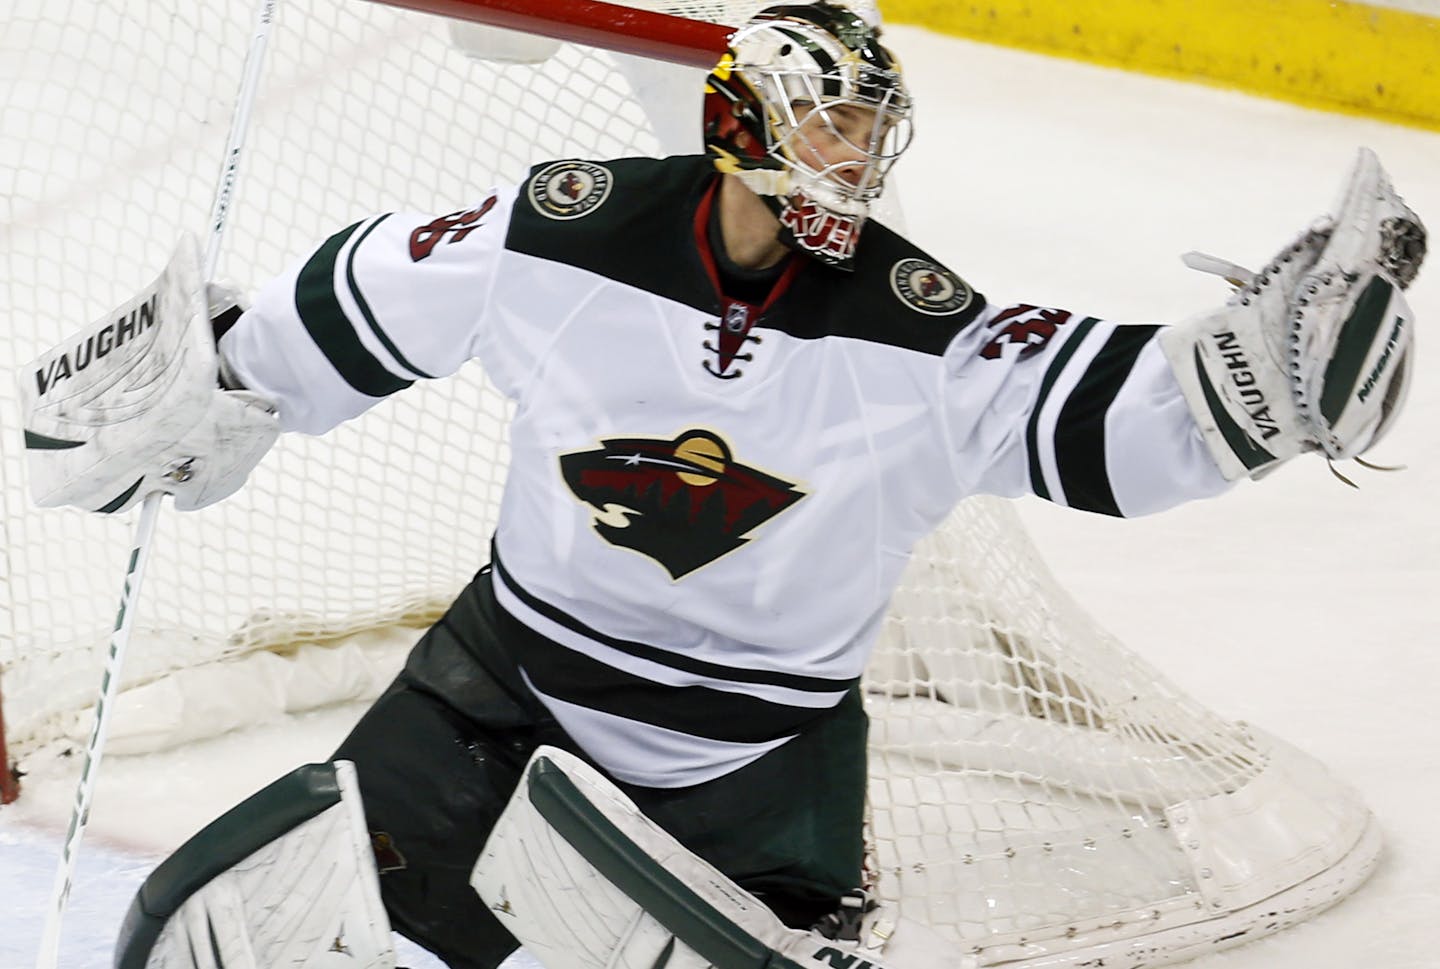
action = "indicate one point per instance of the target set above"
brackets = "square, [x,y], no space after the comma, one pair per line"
[1335,55]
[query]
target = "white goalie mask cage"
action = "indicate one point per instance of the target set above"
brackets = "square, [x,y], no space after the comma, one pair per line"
[809,108]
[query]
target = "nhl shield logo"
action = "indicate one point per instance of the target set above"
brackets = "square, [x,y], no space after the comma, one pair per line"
[929,287]
[569,189]
[681,502]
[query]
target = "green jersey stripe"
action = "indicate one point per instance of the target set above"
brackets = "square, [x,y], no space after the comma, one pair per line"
[325,320]
[1080,442]
[1032,430]
[365,306]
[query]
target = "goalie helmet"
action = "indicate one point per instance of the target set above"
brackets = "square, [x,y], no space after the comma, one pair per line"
[810,110]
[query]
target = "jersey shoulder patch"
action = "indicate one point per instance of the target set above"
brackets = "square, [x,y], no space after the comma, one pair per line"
[627,219]
[929,288]
[566,190]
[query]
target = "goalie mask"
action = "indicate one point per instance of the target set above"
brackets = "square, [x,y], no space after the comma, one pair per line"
[810,111]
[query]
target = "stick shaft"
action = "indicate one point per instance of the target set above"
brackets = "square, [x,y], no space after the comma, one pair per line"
[239,124]
[109,687]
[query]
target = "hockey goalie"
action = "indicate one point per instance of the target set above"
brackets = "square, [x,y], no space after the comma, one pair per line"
[636,739]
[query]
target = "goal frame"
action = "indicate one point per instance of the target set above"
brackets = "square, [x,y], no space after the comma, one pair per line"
[9,773]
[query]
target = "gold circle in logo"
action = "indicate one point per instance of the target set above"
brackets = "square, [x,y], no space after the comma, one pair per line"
[706,452]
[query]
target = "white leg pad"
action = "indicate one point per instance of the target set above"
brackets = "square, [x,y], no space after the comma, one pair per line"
[585,881]
[307,898]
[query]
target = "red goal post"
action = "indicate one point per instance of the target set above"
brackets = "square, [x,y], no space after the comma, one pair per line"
[9,779]
[626,30]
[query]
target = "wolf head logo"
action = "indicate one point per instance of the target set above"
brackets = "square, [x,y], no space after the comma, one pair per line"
[683,502]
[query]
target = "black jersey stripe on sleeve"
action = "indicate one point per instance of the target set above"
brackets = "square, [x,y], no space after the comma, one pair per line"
[663,657]
[364,305]
[1080,428]
[1047,384]
[325,320]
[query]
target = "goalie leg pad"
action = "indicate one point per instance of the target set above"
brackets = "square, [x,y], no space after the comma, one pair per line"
[286,878]
[585,881]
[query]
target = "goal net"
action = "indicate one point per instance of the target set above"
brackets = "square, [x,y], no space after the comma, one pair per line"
[1039,795]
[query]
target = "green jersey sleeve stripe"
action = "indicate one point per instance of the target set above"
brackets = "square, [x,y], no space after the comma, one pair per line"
[325,320]
[365,306]
[1080,441]
[1032,429]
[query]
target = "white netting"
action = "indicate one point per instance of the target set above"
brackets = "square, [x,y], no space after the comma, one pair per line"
[1036,788]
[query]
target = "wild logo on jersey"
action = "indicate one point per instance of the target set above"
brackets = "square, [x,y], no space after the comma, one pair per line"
[683,502]
[570,189]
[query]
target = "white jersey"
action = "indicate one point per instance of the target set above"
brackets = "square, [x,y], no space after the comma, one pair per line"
[710,501]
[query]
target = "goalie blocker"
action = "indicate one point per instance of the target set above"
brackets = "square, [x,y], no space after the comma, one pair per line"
[134,404]
[1314,352]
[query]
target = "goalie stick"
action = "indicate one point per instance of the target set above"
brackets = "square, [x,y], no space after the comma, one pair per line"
[49,954]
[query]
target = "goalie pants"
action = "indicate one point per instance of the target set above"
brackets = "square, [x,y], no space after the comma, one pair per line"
[440,752]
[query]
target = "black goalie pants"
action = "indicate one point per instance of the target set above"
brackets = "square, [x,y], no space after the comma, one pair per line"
[439,754]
